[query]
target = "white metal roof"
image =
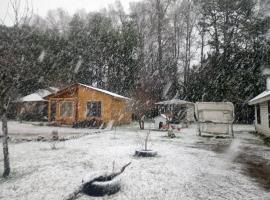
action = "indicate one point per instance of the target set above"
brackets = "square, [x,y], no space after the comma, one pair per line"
[264,96]
[31,97]
[105,91]
[173,102]
[38,95]
[161,116]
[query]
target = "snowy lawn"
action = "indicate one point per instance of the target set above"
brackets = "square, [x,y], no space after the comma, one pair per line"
[188,167]
[32,130]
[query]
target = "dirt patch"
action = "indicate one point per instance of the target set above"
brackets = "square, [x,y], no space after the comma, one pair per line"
[256,167]
[216,146]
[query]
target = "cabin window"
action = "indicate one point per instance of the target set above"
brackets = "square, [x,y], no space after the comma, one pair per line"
[258,110]
[93,109]
[66,109]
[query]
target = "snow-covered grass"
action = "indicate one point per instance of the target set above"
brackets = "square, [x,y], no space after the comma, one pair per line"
[187,167]
[33,130]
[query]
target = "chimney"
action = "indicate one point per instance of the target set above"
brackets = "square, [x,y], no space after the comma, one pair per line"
[268,83]
[266,73]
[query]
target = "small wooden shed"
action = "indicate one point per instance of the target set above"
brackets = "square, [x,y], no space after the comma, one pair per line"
[79,102]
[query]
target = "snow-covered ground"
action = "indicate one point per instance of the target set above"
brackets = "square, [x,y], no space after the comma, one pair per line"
[33,130]
[188,167]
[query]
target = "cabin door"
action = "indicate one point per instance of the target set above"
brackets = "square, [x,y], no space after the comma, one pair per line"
[53,110]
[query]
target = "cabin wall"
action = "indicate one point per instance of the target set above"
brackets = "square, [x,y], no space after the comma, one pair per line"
[69,95]
[87,95]
[264,126]
[121,112]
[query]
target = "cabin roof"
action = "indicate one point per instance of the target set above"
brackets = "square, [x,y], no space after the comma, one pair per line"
[173,102]
[93,88]
[264,96]
[38,95]
[105,91]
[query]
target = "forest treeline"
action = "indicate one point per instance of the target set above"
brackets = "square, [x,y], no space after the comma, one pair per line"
[196,50]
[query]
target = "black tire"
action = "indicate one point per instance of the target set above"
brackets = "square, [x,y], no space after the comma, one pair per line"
[145,153]
[102,188]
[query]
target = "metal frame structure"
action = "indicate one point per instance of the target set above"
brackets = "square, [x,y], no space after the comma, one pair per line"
[226,107]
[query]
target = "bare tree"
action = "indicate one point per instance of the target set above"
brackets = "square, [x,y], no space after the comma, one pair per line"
[12,71]
[201,28]
[58,21]
[22,11]
[142,104]
[189,21]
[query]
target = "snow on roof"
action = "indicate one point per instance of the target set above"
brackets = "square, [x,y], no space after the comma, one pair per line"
[38,95]
[164,116]
[161,115]
[90,87]
[53,89]
[173,102]
[264,96]
[31,97]
[105,91]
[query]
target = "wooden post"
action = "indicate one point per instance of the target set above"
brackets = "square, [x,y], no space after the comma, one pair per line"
[76,110]
[5,146]
[57,113]
[49,110]
[199,128]
[232,130]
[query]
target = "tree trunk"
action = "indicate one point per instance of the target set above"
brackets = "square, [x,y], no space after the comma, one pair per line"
[202,45]
[187,50]
[141,122]
[5,146]
[216,38]
[159,36]
[146,140]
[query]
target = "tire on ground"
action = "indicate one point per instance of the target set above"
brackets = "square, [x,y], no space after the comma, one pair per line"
[145,153]
[102,187]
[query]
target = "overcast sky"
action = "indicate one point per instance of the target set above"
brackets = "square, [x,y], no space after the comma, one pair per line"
[41,7]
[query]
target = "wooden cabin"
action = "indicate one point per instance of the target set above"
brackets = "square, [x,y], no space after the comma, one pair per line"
[78,103]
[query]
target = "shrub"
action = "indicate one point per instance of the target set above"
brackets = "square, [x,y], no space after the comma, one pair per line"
[92,123]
